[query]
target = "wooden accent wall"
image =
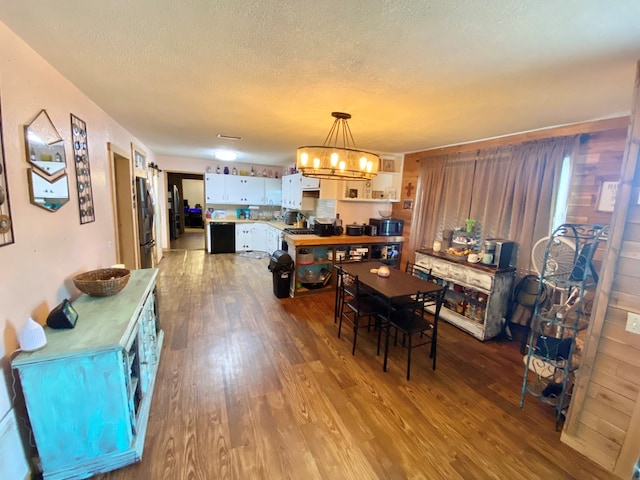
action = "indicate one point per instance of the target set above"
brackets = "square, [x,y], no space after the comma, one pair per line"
[604,419]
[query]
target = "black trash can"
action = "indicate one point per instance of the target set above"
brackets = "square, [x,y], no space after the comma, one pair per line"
[281,266]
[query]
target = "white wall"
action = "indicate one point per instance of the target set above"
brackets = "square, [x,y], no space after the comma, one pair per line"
[50,248]
[193,191]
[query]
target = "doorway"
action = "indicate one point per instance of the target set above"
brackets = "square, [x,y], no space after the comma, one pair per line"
[185,211]
[125,222]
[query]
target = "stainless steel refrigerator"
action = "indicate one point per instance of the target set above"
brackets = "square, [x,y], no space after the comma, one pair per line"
[145,223]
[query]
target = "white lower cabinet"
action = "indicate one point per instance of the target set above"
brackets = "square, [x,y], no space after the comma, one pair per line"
[478,296]
[244,240]
[259,237]
[274,239]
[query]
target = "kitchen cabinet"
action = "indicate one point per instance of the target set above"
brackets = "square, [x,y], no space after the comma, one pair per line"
[88,391]
[244,240]
[274,239]
[251,236]
[272,191]
[293,187]
[259,237]
[478,296]
[243,190]
[239,190]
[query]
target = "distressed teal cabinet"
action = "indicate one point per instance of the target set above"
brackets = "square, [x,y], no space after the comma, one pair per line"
[88,391]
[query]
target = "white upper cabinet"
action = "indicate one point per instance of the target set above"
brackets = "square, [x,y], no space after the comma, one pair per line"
[273,191]
[292,188]
[239,189]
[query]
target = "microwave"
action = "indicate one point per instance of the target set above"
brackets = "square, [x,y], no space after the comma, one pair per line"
[387,227]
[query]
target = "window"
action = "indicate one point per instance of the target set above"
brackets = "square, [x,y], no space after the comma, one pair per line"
[562,195]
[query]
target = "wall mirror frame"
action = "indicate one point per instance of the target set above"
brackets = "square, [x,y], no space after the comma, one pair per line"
[6,226]
[49,186]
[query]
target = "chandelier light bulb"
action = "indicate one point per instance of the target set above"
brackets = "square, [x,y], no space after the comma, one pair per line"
[369,166]
[304,158]
[363,163]
[334,159]
[342,165]
[316,163]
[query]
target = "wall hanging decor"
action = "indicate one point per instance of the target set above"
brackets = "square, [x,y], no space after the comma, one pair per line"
[44,147]
[6,227]
[83,170]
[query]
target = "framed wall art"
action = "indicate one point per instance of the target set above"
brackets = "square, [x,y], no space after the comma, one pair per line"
[388,165]
[6,226]
[607,197]
[83,170]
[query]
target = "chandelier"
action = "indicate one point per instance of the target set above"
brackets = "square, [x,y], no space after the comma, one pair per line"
[332,161]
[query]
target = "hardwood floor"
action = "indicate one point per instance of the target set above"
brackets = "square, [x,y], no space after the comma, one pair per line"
[254,387]
[190,239]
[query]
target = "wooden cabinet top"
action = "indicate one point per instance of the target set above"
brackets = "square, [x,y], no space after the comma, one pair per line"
[463,261]
[103,322]
[310,240]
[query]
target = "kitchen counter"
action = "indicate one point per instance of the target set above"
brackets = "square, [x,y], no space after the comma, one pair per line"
[312,240]
[274,223]
[314,255]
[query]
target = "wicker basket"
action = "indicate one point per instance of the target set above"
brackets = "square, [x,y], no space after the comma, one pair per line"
[103,282]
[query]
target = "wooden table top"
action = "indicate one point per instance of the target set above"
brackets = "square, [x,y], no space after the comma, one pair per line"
[398,284]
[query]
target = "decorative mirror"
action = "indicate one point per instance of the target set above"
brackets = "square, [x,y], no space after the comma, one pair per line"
[6,227]
[48,194]
[45,153]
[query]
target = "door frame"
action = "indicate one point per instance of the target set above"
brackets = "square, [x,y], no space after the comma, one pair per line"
[123,199]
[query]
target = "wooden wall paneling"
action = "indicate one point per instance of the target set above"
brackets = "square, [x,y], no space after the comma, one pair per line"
[410,173]
[599,348]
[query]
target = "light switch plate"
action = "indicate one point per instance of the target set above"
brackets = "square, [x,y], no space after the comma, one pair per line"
[633,323]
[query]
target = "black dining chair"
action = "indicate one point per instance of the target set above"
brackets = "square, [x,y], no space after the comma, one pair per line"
[417,271]
[353,304]
[418,318]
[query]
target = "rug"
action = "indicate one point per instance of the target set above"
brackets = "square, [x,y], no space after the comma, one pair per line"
[255,254]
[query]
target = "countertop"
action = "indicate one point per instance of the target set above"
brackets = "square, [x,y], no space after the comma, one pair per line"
[309,240]
[463,261]
[274,223]
[305,240]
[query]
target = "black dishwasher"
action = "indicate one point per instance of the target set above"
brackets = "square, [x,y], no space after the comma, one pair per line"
[221,237]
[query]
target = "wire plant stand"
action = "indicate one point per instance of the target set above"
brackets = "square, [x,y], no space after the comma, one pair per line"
[553,349]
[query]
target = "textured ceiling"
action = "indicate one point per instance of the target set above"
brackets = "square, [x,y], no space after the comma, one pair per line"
[413,73]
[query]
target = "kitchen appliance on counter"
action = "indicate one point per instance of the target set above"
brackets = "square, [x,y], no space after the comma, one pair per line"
[387,227]
[498,252]
[371,230]
[323,227]
[290,217]
[504,250]
[354,230]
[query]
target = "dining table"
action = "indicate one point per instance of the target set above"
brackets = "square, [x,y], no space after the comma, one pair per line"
[397,285]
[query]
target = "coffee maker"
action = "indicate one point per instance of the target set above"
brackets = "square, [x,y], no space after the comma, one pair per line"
[502,250]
